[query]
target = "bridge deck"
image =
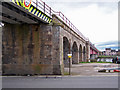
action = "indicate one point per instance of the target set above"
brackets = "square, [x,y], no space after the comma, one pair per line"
[13,13]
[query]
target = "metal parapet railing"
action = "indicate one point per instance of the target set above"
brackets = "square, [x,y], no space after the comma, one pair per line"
[93,47]
[49,11]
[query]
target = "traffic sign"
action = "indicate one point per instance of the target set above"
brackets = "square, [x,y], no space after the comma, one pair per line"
[69,55]
[27,3]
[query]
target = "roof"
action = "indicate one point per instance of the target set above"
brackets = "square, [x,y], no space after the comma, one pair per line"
[108,49]
[113,50]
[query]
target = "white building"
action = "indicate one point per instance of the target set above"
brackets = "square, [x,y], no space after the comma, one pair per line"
[109,52]
[113,52]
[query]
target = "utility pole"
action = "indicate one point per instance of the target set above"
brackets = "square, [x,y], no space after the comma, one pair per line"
[69,67]
[69,56]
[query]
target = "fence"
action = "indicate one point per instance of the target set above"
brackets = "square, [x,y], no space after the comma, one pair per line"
[48,11]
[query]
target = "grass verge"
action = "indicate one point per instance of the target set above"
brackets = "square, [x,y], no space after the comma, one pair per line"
[66,73]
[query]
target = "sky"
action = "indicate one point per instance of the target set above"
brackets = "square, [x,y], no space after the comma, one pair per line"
[95,19]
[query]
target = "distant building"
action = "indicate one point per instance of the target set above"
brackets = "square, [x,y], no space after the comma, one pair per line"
[118,52]
[113,52]
[103,53]
[109,52]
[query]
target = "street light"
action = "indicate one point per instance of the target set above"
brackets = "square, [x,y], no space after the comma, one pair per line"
[69,56]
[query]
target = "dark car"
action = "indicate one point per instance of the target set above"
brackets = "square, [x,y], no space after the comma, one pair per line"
[116,59]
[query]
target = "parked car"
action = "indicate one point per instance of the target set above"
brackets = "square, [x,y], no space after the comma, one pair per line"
[116,59]
[110,70]
[117,70]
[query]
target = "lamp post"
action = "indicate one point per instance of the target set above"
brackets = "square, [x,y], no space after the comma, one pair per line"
[69,56]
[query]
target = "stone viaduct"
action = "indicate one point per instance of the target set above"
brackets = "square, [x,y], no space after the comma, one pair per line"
[38,44]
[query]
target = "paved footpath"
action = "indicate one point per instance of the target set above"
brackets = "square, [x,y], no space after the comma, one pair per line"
[91,69]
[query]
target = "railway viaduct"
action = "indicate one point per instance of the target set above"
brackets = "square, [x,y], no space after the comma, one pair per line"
[36,39]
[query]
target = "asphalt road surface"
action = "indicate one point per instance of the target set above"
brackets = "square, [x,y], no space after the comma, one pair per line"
[61,82]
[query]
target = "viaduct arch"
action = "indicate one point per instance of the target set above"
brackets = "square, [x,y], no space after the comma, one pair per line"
[40,48]
[75,53]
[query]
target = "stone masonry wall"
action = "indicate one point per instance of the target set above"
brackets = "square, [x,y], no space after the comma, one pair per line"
[30,49]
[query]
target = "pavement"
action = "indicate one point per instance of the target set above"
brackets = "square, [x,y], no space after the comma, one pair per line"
[83,69]
[91,69]
[82,76]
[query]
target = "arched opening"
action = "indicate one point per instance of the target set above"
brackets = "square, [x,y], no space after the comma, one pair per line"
[84,54]
[75,54]
[65,51]
[80,53]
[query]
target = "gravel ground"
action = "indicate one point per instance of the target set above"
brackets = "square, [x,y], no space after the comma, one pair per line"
[88,69]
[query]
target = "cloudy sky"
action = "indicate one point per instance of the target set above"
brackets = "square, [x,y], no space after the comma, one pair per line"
[96,19]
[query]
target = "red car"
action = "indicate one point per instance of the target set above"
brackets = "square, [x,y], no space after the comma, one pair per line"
[110,70]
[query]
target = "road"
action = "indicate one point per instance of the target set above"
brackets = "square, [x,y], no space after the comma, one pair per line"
[61,82]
